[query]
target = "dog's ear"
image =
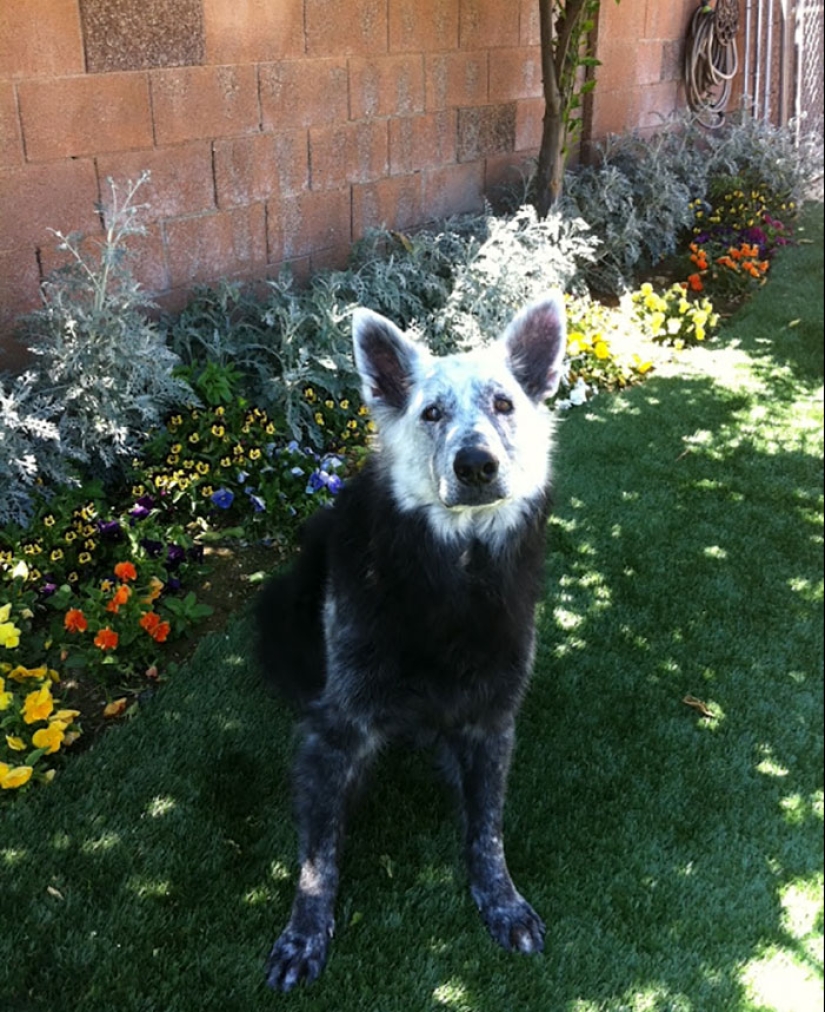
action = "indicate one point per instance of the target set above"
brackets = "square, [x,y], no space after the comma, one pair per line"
[385,358]
[536,342]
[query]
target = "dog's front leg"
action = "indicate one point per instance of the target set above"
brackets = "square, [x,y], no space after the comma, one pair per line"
[481,760]
[329,762]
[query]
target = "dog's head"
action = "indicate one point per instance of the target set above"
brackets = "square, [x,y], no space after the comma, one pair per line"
[467,432]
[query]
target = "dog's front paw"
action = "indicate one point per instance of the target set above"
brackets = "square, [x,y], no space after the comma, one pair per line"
[297,956]
[515,926]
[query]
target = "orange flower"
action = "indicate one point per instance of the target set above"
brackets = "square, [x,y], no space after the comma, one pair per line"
[106,639]
[75,620]
[121,596]
[152,624]
[125,571]
[149,620]
[161,631]
[695,283]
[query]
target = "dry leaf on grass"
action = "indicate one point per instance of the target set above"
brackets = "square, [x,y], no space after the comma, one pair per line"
[701,707]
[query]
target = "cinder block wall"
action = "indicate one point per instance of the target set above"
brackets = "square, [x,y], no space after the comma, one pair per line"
[278,130]
[275,130]
[639,84]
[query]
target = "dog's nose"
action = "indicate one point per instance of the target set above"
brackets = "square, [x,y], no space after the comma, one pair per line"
[475,465]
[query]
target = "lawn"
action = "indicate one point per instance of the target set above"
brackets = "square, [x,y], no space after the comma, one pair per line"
[676,857]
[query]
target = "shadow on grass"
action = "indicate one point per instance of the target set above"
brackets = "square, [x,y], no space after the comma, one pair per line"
[661,848]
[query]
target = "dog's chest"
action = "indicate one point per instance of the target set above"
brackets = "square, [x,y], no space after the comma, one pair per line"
[432,636]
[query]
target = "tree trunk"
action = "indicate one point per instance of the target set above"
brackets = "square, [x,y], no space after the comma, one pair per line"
[558,24]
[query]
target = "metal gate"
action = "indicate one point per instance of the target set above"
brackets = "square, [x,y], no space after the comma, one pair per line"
[782,65]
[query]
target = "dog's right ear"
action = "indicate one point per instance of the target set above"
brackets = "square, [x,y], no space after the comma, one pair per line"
[385,358]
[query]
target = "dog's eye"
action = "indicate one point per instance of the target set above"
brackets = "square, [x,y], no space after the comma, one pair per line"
[503,405]
[432,413]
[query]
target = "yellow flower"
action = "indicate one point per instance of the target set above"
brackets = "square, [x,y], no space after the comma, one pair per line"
[50,738]
[15,744]
[656,322]
[5,697]
[700,333]
[38,705]
[9,633]
[14,776]
[20,672]
[601,350]
[66,716]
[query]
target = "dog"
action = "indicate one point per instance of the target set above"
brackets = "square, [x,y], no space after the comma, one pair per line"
[409,615]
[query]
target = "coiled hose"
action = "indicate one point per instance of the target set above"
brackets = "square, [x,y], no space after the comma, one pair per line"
[711,60]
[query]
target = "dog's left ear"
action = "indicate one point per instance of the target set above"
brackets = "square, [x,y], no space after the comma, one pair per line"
[536,342]
[385,358]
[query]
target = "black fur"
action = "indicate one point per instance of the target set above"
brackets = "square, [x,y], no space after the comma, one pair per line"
[431,642]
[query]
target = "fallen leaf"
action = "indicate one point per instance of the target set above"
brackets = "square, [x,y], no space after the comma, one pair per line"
[700,707]
[796,322]
[58,895]
[116,708]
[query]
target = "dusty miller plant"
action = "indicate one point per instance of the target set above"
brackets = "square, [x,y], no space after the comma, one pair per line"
[100,358]
[30,447]
[521,258]
[765,154]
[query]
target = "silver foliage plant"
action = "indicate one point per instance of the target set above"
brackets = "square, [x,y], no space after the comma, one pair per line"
[30,446]
[99,357]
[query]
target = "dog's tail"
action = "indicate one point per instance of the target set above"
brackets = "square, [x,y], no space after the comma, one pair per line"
[289,620]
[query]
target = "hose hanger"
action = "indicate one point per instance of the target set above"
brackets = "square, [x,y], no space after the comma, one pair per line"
[711,60]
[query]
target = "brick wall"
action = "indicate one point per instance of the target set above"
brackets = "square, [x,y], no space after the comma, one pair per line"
[640,44]
[280,130]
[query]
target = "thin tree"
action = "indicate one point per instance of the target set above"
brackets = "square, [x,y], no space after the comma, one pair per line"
[566,28]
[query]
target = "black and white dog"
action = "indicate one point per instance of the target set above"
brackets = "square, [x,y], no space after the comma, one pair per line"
[410,612]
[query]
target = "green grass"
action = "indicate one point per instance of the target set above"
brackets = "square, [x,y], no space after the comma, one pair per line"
[677,860]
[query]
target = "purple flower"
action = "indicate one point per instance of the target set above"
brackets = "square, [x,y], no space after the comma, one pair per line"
[316,482]
[152,548]
[110,530]
[334,484]
[258,505]
[142,507]
[223,498]
[175,555]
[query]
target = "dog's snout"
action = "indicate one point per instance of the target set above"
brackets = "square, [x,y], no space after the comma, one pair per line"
[475,465]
